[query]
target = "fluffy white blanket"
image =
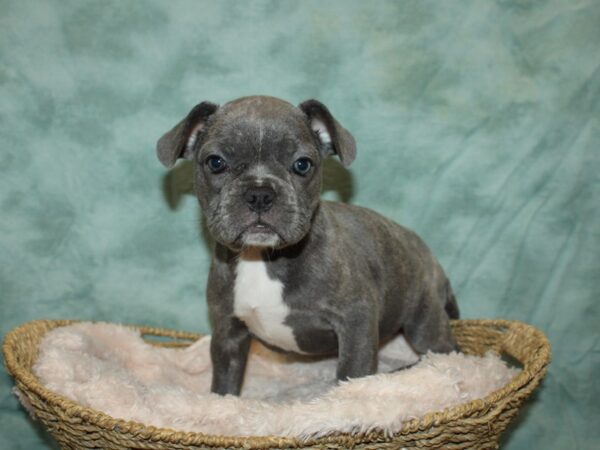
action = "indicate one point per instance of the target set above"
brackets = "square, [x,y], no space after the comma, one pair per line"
[112,369]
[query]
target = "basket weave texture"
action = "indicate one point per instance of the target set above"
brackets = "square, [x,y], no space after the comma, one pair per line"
[473,425]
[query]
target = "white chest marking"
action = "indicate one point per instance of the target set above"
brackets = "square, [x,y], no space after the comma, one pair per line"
[258,301]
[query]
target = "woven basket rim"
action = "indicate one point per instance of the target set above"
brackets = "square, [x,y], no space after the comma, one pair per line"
[534,367]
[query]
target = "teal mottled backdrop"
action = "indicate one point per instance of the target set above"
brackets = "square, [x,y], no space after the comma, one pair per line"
[477,122]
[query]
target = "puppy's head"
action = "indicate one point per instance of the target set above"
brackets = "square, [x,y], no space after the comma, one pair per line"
[257,164]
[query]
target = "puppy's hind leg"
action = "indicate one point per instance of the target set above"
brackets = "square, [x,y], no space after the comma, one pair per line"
[451,306]
[429,328]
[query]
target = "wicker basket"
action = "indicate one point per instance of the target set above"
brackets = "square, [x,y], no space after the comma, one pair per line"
[476,424]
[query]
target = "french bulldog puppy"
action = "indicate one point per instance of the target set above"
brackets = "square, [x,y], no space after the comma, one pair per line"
[300,274]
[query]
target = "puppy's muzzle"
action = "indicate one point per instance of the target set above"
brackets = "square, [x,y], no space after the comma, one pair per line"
[259,199]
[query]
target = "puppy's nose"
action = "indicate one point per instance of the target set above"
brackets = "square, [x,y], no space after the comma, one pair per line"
[259,199]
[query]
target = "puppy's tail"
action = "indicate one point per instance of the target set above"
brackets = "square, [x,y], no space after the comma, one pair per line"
[451,306]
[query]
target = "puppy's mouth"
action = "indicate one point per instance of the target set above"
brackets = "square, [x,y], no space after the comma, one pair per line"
[259,227]
[260,234]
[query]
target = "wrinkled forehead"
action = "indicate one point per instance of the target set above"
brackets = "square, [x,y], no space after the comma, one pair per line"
[242,127]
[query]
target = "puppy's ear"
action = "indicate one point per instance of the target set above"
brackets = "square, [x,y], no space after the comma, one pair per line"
[179,142]
[334,138]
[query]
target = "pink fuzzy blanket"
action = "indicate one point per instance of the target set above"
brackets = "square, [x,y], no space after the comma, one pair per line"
[112,369]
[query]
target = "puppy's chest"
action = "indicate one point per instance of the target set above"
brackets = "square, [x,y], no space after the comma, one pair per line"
[258,301]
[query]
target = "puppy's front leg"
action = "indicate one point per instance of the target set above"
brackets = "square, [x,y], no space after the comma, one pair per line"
[229,348]
[358,343]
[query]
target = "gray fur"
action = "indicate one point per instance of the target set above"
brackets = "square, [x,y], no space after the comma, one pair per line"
[351,277]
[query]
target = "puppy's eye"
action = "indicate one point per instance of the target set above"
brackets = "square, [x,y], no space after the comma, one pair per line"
[302,166]
[216,164]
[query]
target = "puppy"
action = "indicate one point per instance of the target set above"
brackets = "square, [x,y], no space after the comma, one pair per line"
[300,274]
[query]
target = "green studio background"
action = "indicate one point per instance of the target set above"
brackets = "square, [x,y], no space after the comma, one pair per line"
[478,125]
